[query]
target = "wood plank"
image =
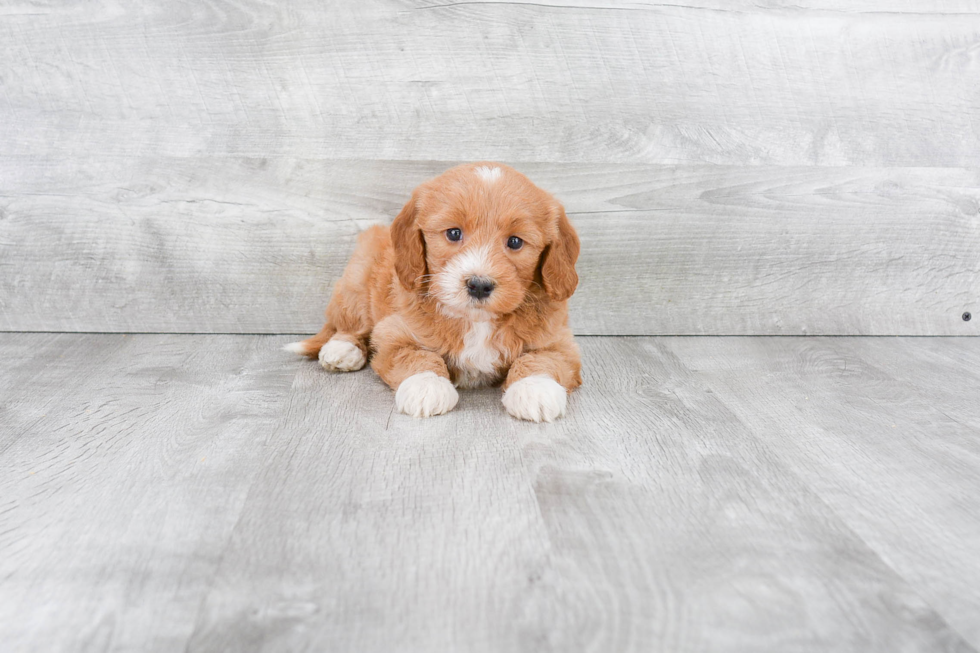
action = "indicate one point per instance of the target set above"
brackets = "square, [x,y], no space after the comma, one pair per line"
[209,493]
[373,531]
[255,245]
[124,462]
[648,519]
[823,82]
[884,430]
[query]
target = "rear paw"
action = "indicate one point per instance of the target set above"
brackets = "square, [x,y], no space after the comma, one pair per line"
[340,355]
[425,394]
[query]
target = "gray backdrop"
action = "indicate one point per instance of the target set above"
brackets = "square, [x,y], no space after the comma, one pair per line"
[732,167]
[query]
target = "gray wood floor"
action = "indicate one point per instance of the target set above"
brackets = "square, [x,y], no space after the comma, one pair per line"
[209,493]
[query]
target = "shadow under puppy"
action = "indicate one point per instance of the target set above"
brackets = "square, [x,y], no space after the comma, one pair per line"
[468,287]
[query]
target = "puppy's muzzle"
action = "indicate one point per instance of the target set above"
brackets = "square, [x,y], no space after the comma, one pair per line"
[479,287]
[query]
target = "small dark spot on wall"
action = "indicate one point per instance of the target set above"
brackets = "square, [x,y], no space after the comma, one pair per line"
[967,316]
[969,206]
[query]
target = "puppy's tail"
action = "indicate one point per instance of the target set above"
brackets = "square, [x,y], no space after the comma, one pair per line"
[311,346]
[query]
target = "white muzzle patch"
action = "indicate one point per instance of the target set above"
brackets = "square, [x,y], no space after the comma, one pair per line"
[450,283]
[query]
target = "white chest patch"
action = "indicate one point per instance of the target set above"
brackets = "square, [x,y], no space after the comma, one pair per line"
[478,361]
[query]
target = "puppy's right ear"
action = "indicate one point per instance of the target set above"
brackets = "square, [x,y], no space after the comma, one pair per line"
[409,246]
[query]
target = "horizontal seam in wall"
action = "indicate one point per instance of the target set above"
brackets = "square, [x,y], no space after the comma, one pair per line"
[307,334]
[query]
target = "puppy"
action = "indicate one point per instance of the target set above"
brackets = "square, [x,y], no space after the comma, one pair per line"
[468,287]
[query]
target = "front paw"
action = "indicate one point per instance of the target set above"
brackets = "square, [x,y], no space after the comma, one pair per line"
[538,398]
[425,394]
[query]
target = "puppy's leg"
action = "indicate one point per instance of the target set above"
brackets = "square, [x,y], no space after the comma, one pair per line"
[539,381]
[342,344]
[419,377]
[344,352]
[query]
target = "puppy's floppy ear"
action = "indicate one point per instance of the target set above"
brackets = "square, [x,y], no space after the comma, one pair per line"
[558,269]
[409,246]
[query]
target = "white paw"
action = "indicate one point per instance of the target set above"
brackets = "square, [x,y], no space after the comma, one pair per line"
[538,398]
[425,394]
[341,356]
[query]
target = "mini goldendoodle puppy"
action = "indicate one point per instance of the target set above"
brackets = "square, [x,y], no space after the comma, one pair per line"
[468,287]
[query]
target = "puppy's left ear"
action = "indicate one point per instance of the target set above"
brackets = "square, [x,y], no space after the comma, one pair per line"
[558,269]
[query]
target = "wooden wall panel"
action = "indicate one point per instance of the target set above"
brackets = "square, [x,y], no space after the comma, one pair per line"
[740,83]
[734,168]
[254,246]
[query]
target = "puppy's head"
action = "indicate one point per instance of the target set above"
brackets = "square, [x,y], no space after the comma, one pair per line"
[479,236]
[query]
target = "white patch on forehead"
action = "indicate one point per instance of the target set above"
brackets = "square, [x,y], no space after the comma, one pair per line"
[477,362]
[488,174]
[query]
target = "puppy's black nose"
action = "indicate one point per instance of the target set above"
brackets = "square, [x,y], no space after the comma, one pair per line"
[479,287]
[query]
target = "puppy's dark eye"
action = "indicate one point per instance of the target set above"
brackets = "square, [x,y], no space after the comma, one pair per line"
[515,243]
[455,235]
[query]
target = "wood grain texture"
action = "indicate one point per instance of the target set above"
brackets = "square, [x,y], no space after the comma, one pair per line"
[208,493]
[124,463]
[823,82]
[734,167]
[885,431]
[255,245]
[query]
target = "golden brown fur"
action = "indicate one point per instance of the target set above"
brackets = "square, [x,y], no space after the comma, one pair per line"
[400,302]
